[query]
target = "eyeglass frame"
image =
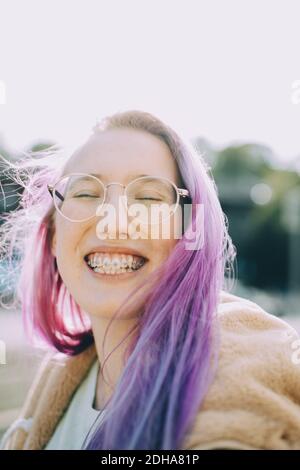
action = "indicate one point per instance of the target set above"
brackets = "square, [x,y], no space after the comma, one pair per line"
[179,191]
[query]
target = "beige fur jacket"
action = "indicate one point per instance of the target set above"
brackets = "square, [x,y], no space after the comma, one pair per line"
[253,402]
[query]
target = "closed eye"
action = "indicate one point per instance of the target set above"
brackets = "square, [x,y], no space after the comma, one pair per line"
[148,199]
[85,195]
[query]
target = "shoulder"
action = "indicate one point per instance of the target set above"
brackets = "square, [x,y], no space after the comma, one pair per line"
[241,315]
[55,382]
[257,339]
[254,399]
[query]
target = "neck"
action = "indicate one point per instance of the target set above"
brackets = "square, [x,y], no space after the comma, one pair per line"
[112,352]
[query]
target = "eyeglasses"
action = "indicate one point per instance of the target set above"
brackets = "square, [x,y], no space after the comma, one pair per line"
[79,196]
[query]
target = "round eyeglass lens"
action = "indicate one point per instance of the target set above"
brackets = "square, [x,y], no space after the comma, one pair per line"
[78,196]
[151,199]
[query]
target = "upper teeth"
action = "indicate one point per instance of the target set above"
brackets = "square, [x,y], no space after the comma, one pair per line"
[108,262]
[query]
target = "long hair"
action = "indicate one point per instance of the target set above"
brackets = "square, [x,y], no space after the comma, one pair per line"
[172,358]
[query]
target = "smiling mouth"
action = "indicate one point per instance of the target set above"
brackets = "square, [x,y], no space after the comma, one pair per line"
[109,264]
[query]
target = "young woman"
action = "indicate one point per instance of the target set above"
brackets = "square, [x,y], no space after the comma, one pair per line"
[148,350]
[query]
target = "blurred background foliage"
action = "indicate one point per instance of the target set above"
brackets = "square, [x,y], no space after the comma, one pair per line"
[262,203]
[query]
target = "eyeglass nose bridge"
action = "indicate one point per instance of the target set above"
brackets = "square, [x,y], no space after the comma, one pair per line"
[115,182]
[110,184]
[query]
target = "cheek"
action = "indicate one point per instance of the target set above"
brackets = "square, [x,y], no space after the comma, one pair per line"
[67,256]
[161,250]
[170,230]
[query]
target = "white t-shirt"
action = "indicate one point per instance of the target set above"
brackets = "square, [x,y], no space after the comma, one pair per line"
[79,417]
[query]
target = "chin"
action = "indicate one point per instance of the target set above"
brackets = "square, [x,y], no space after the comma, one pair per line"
[104,309]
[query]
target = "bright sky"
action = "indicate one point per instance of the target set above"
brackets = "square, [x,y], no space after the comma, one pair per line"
[223,70]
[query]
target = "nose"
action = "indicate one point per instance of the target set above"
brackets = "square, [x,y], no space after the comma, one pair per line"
[115,202]
[113,196]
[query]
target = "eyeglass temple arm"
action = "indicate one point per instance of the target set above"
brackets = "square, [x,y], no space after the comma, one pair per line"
[183,192]
[51,190]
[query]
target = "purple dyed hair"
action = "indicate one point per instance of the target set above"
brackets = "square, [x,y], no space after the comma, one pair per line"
[173,356]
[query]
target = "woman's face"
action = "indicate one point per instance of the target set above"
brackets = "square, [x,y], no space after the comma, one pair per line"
[119,155]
